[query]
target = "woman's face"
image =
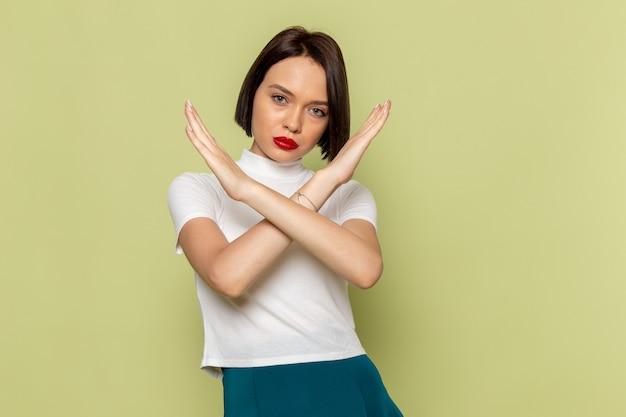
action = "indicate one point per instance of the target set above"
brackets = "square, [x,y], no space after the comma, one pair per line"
[290,110]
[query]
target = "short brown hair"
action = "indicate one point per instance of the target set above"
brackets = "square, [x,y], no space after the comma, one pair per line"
[297,41]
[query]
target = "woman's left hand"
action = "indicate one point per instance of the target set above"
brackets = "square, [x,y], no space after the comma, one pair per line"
[348,158]
[232,178]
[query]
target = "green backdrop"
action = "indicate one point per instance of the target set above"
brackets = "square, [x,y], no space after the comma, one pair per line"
[499,178]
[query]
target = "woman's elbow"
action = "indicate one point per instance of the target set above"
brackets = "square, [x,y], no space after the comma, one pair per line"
[230,291]
[369,274]
[225,286]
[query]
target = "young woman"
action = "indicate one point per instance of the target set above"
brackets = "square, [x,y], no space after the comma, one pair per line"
[274,245]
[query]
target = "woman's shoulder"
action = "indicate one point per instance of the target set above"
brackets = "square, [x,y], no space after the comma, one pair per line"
[197,178]
[351,192]
[195,183]
[353,186]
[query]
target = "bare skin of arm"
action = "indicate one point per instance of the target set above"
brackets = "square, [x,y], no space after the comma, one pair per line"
[351,250]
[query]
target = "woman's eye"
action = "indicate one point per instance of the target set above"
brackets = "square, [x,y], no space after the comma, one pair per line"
[318,112]
[278,98]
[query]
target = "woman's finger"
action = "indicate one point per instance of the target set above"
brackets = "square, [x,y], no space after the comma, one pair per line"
[193,114]
[375,121]
[196,128]
[201,147]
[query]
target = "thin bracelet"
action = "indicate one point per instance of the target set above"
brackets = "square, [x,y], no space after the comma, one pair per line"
[299,194]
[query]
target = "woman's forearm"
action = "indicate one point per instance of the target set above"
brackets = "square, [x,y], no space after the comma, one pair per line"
[235,266]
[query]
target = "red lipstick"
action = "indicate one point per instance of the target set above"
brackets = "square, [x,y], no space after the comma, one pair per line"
[285,143]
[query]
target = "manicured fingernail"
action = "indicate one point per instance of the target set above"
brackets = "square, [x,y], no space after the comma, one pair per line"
[189,105]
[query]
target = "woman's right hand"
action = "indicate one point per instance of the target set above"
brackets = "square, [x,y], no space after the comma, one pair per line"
[232,178]
[346,161]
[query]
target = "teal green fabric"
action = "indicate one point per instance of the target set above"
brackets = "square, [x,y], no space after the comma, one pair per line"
[344,388]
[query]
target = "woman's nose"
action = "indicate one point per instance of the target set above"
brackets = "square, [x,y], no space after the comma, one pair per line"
[292,121]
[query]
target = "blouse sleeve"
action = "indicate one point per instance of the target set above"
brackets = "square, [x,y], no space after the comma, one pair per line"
[191,196]
[355,201]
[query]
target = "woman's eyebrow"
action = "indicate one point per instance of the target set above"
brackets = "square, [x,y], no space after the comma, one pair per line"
[289,93]
[281,88]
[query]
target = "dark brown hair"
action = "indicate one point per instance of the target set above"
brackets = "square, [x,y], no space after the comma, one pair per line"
[297,41]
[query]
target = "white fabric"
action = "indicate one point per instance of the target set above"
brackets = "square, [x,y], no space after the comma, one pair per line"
[299,310]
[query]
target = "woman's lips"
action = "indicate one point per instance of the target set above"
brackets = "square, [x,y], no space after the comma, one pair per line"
[285,143]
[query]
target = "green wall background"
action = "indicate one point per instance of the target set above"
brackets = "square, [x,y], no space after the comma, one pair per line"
[499,178]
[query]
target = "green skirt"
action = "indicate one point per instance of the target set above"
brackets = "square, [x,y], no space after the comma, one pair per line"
[343,388]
